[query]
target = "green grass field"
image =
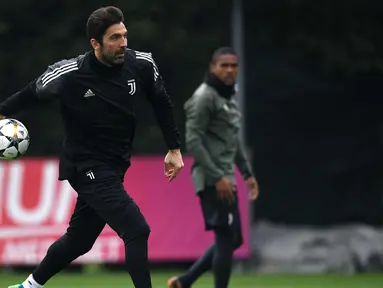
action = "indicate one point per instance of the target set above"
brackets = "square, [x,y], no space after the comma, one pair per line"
[238,281]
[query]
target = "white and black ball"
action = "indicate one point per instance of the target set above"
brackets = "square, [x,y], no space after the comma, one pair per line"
[14,139]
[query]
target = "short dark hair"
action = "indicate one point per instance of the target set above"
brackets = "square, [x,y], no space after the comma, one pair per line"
[226,50]
[101,19]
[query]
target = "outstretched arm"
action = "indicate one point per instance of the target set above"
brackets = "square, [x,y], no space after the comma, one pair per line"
[42,89]
[19,101]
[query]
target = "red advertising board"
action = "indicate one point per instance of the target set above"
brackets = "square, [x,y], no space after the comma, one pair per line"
[35,209]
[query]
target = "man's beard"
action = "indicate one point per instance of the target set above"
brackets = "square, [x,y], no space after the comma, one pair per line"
[113,60]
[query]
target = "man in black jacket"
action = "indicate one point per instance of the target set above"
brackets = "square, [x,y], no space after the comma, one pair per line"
[97,92]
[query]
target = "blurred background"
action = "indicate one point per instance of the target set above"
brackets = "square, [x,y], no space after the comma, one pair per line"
[310,89]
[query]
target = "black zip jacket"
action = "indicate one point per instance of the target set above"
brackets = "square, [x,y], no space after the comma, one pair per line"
[98,107]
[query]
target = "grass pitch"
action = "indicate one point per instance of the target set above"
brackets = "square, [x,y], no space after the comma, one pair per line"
[109,279]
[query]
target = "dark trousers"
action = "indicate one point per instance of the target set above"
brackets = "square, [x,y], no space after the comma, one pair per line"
[101,200]
[224,219]
[219,214]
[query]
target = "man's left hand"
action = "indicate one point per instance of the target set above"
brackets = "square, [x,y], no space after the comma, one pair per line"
[173,164]
[253,188]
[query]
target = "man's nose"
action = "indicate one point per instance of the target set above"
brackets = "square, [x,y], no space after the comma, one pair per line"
[124,43]
[230,69]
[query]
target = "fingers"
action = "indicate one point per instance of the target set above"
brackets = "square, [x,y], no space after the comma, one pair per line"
[171,171]
[226,195]
[167,167]
[173,175]
[230,199]
[253,194]
[221,195]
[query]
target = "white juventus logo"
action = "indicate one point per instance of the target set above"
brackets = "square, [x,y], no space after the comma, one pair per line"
[90,174]
[132,85]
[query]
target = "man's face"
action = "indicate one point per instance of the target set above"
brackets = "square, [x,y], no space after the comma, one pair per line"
[225,68]
[114,45]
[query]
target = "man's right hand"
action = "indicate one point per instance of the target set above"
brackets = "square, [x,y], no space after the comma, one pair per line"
[225,189]
[173,164]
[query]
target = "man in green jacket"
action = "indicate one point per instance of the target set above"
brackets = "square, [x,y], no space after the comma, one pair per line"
[212,138]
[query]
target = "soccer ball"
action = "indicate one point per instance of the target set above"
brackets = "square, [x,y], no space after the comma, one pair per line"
[14,139]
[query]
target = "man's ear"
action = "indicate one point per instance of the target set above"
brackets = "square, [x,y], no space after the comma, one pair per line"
[212,65]
[95,44]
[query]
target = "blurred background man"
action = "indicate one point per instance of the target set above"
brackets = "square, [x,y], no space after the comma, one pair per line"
[212,138]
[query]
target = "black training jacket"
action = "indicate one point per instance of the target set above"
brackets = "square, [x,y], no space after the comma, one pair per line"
[98,107]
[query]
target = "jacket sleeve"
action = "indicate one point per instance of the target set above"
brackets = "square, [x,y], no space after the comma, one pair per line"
[198,110]
[20,100]
[242,162]
[42,89]
[160,101]
[54,81]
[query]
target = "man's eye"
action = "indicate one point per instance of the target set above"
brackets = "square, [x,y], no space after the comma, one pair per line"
[232,65]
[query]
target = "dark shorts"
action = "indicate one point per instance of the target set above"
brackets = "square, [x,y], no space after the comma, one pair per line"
[102,199]
[220,215]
